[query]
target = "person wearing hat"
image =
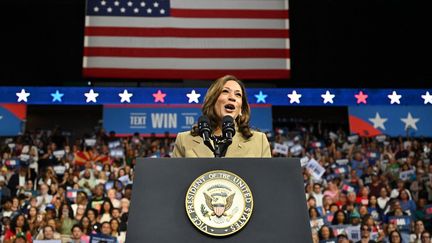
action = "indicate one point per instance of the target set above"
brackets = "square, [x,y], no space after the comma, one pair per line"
[355,218]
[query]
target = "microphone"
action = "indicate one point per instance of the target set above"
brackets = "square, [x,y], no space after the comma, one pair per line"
[204,128]
[228,127]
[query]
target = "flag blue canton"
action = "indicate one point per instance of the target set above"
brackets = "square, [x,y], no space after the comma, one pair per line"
[140,8]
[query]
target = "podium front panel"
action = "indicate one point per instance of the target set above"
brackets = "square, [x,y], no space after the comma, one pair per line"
[158,214]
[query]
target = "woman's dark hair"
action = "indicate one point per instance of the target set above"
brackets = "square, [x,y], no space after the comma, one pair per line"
[88,229]
[118,223]
[335,221]
[320,232]
[314,209]
[210,100]
[102,211]
[13,224]
[70,214]
[95,212]
[397,232]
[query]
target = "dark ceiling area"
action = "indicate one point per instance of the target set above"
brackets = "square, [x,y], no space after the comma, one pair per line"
[334,43]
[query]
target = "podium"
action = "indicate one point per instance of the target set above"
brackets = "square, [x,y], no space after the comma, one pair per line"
[158,212]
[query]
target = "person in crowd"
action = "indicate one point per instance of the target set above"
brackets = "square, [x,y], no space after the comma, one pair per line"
[365,233]
[77,235]
[426,237]
[225,97]
[325,233]
[18,225]
[395,237]
[418,230]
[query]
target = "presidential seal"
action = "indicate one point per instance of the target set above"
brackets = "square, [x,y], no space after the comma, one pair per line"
[219,203]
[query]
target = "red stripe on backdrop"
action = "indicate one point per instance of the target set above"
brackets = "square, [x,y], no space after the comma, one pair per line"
[229,13]
[184,74]
[186,53]
[192,33]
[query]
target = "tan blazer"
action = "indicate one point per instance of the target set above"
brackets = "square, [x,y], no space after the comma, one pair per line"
[188,146]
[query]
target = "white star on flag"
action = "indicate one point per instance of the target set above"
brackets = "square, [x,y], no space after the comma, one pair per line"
[294,97]
[91,96]
[427,98]
[394,97]
[22,96]
[125,96]
[410,121]
[378,122]
[328,97]
[193,96]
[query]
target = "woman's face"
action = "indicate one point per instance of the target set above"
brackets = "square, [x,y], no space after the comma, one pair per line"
[325,232]
[373,200]
[229,101]
[106,207]
[32,212]
[20,221]
[395,237]
[91,215]
[85,221]
[114,225]
[404,195]
[340,217]
[383,192]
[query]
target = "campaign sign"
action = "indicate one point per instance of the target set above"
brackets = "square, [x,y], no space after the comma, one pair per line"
[125,120]
[395,121]
[96,238]
[402,222]
[340,229]
[12,119]
[407,175]
[353,233]
[315,169]
[280,148]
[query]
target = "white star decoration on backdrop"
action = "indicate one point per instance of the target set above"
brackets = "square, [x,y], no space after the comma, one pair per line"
[91,96]
[22,96]
[328,98]
[394,97]
[294,97]
[193,97]
[427,98]
[125,96]
[378,122]
[410,121]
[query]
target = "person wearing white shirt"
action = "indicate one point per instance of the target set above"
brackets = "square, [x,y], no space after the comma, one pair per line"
[317,194]
[44,199]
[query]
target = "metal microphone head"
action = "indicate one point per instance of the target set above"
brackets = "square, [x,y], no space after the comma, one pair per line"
[204,127]
[228,127]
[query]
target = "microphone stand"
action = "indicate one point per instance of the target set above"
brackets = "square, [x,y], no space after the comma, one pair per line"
[220,146]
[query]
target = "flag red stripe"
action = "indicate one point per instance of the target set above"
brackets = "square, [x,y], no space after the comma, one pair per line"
[192,33]
[229,13]
[183,74]
[186,53]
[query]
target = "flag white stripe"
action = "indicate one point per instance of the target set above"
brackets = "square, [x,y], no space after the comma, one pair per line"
[196,43]
[169,22]
[231,4]
[186,63]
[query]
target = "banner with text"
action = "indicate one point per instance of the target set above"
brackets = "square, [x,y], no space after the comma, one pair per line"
[125,120]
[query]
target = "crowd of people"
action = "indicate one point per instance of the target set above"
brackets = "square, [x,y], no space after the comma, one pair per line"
[53,187]
[363,189]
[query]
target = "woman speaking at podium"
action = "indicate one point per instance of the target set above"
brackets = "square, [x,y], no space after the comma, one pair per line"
[223,130]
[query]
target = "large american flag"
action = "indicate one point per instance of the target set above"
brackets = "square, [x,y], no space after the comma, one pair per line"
[187,39]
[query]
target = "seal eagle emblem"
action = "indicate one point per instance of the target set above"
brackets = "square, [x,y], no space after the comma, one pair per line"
[219,203]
